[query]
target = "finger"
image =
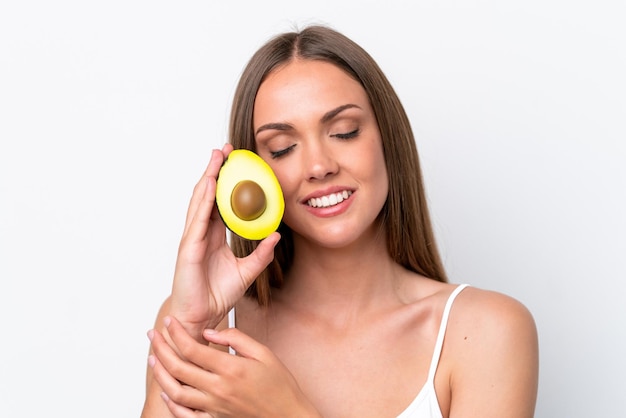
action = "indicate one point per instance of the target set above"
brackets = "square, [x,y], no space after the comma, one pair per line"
[217,236]
[252,265]
[243,344]
[211,171]
[198,191]
[208,358]
[182,400]
[180,411]
[177,368]
[198,226]
[194,247]
[226,149]
[177,410]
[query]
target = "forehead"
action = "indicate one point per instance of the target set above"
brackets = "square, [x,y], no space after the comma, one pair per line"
[306,88]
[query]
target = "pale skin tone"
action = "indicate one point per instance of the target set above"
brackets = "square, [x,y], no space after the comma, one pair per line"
[351,333]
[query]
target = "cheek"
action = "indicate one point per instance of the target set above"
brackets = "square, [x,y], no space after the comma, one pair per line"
[378,175]
[372,161]
[382,180]
[285,180]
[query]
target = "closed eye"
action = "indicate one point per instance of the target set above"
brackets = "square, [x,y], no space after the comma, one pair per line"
[347,135]
[279,153]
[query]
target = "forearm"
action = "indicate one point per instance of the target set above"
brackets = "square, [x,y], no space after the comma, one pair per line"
[154,406]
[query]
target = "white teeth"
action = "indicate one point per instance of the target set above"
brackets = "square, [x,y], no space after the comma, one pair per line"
[330,200]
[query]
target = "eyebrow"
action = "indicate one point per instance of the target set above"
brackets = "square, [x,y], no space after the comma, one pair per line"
[274,126]
[331,114]
[327,117]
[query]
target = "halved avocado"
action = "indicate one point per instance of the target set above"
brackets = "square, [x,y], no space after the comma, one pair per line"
[248,196]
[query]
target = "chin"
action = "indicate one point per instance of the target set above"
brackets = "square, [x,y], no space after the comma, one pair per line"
[341,236]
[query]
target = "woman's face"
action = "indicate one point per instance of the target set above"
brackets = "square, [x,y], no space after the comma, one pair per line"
[315,127]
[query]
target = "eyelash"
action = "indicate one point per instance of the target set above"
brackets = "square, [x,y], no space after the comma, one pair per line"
[348,135]
[280,153]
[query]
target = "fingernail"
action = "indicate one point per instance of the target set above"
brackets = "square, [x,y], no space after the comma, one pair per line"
[150,334]
[151,360]
[165,397]
[167,321]
[209,331]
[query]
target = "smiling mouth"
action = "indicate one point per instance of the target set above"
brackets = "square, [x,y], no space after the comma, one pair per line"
[329,200]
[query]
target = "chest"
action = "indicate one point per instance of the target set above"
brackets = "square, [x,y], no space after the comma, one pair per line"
[361,381]
[371,371]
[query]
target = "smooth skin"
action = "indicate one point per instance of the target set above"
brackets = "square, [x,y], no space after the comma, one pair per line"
[351,333]
[208,278]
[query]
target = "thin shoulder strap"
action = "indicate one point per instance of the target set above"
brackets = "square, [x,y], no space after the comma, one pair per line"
[231,324]
[442,332]
[231,318]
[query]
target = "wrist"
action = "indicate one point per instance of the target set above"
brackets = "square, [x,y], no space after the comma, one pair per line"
[193,328]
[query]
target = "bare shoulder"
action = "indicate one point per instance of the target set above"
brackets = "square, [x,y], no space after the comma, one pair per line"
[484,321]
[488,312]
[492,353]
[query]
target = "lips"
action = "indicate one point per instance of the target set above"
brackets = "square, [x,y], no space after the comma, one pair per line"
[329,200]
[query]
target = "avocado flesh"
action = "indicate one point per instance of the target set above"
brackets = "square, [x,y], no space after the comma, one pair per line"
[251,220]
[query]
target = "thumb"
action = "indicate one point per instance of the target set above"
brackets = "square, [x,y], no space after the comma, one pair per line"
[252,265]
[243,344]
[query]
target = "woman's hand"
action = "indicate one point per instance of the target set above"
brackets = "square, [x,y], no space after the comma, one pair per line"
[203,381]
[209,279]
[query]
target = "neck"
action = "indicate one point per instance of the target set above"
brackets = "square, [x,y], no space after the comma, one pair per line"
[351,279]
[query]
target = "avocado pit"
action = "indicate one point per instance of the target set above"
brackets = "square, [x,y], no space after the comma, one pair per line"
[248,200]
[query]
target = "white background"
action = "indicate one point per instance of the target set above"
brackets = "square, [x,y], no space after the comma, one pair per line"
[109,110]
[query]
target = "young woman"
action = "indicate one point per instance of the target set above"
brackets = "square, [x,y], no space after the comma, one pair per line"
[346,310]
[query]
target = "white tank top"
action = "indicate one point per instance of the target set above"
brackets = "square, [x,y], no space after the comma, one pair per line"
[425,404]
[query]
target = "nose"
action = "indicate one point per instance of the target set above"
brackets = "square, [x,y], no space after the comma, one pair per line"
[320,162]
